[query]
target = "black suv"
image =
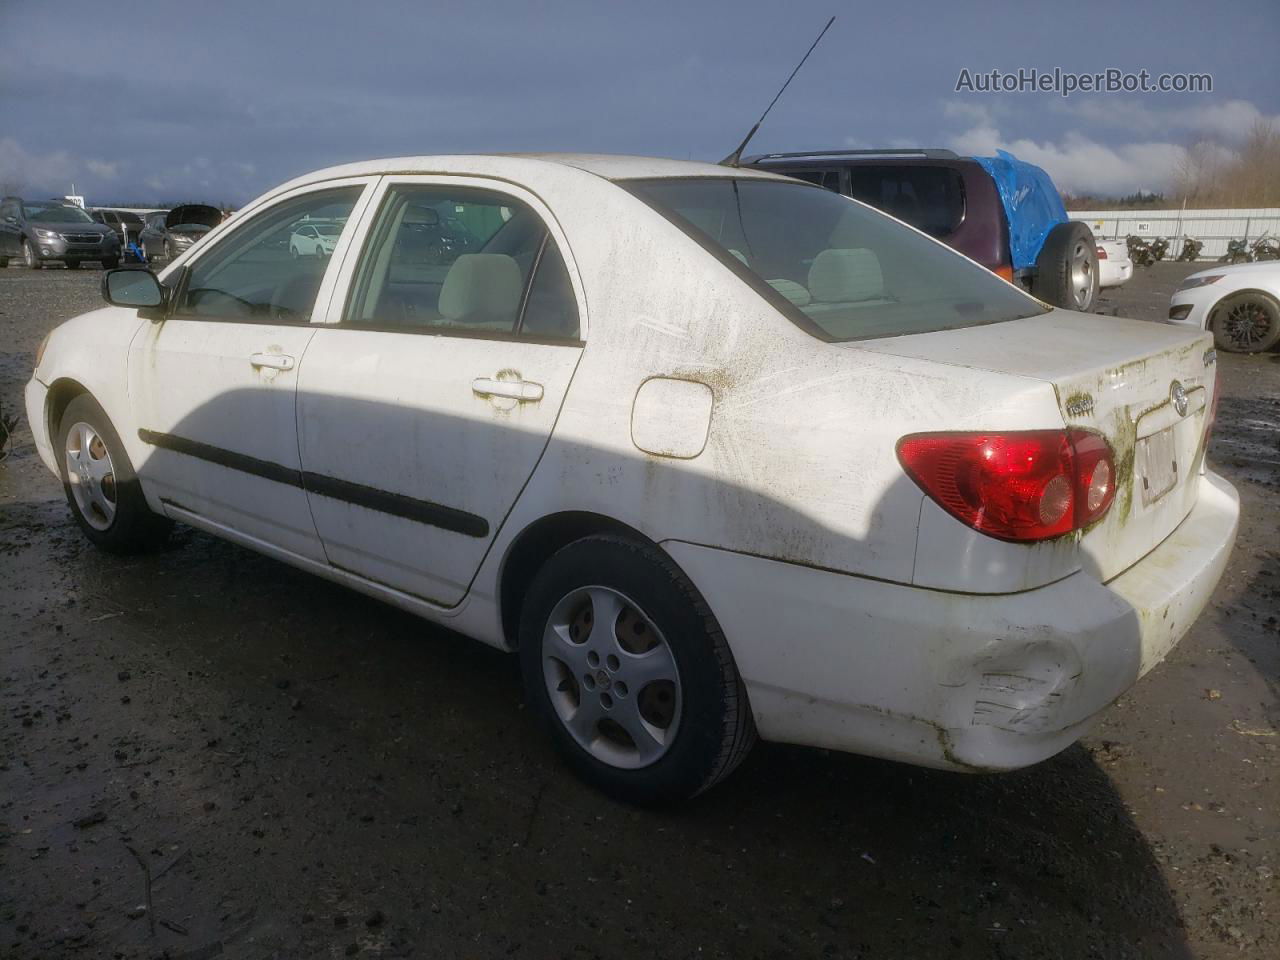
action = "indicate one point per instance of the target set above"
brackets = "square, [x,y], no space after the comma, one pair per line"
[40,231]
[1002,212]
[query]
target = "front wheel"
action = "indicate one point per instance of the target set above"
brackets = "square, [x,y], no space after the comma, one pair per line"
[110,263]
[1067,268]
[71,264]
[100,484]
[29,258]
[631,674]
[1246,323]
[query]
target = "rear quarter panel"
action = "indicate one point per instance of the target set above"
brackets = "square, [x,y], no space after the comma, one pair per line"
[799,462]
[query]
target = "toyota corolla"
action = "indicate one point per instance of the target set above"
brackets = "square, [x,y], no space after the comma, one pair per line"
[718,453]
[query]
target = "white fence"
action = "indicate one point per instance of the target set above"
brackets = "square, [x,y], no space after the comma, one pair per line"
[1213,227]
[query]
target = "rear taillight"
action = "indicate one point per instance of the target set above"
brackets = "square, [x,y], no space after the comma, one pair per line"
[1102,253]
[1005,273]
[1022,486]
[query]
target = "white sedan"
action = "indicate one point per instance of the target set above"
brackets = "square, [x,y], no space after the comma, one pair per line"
[1115,266]
[314,239]
[719,453]
[1239,304]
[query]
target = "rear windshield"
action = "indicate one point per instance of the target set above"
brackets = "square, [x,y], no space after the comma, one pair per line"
[929,198]
[837,268]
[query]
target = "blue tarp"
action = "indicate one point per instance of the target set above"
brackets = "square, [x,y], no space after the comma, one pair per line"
[1031,204]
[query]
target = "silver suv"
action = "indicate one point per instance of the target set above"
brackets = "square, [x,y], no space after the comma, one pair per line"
[40,231]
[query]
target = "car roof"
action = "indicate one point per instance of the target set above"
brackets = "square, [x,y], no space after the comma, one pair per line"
[835,157]
[518,166]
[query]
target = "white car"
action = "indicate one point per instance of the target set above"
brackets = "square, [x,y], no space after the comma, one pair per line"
[1114,265]
[314,239]
[716,451]
[1238,303]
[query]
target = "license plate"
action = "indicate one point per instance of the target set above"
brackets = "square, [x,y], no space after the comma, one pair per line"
[1157,461]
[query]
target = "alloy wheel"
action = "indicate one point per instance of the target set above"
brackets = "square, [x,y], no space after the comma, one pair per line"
[1247,324]
[611,677]
[1081,275]
[91,476]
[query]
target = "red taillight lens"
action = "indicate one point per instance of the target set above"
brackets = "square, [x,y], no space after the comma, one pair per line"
[1024,486]
[1102,253]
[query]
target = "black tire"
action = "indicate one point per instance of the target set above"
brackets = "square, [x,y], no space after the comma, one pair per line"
[715,729]
[71,264]
[29,257]
[4,262]
[110,263]
[133,528]
[1067,268]
[1247,322]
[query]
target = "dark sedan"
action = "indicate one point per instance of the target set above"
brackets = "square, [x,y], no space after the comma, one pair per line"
[170,234]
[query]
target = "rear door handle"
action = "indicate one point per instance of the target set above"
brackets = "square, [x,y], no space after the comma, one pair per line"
[276,361]
[525,391]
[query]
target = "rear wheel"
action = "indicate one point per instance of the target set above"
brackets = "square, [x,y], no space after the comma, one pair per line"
[100,484]
[630,672]
[1067,268]
[1246,323]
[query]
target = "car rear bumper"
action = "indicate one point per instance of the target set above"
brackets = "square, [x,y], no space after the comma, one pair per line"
[1114,273]
[956,681]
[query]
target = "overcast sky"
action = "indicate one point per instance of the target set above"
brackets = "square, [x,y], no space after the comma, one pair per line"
[156,102]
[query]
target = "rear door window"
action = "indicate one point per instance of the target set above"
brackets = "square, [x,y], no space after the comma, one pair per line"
[929,198]
[462,261]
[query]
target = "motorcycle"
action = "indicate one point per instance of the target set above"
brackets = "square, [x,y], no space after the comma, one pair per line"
[1237,252]
[1265,248]
[1139,251]
[1159,247]
[1190,250]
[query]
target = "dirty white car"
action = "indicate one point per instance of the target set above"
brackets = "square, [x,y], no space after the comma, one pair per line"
[719,453]
[1115,267]
[1238,303]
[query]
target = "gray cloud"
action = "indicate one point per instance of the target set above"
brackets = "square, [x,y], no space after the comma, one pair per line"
[158,101]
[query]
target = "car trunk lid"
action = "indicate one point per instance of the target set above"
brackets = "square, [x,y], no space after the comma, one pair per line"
[1116,377]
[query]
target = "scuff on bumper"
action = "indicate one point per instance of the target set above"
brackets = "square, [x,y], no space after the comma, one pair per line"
[957,681]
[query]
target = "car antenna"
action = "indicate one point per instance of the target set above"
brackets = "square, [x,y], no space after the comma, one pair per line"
[732,159]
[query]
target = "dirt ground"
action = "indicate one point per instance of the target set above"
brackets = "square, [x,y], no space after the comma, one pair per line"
[303,772]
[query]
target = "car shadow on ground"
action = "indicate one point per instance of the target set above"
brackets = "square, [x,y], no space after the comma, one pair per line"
[306,770]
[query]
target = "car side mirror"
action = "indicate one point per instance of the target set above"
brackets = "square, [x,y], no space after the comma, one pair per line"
[133,288]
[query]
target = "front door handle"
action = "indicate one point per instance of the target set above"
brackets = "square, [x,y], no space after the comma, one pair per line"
[276,361]
[525,391]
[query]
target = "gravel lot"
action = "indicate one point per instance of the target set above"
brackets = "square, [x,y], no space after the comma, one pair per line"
[307,773]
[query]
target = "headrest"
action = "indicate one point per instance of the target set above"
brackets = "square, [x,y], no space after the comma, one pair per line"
[846,276]
[482,288]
